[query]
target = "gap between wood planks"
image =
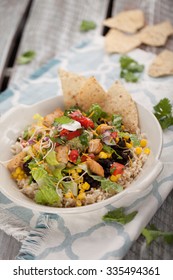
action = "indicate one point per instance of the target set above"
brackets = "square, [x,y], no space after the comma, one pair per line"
[18,36]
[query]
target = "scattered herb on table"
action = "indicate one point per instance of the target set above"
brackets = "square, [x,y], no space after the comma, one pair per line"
[152,233]
[87,25]
[118,215]
[26,57]
[163,112]
[130,69]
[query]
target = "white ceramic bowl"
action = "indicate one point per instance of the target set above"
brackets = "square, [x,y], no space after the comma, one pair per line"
[15,120]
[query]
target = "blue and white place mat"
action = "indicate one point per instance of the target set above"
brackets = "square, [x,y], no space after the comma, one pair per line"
[86,236]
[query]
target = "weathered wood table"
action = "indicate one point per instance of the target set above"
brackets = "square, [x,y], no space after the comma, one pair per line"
[50,27]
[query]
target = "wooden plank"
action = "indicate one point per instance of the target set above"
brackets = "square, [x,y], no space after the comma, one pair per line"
[9,246]
[53,26]
[155,12]
[11,13]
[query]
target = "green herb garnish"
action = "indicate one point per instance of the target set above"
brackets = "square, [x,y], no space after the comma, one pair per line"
[95,112]
[26,57]
[152,233]
[130,69]
[163,112]
[63,120]
[119,216]
[87,25]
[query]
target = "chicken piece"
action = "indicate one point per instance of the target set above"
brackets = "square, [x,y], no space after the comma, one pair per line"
[62,153]
[102,128]
[49,119]
[16,161]
[95,167]
[95,146]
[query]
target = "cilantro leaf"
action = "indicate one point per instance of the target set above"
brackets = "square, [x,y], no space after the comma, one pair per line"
[63,120]
[130,69]
[163,112]
[26,57]
[119,216]
[84,139]
[152,233]
[117,121]
[87,25]
[95,112]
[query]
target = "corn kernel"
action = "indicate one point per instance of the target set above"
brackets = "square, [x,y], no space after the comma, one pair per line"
[143,143]
[68,195]
[109,155]
[78,203]
[81,196]
[79,170]
[85,186]
[102,155]
[114,178]
[117,139]
[138,150]
[147,151]
[129,145]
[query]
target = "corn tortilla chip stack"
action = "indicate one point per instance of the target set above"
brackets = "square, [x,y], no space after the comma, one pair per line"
[156,35]
[90,93]
[117,42]
[128,21]
[119,101]
[71,85]
[162,65]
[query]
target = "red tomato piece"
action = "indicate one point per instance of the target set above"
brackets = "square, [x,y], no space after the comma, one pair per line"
[73,156]
[84,121]
[114,134]
[117,168]
[70,134]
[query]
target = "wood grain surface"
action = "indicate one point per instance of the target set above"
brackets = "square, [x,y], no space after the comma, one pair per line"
[52,27]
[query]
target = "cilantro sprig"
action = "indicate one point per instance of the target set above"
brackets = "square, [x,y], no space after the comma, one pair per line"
[118,215]
[26,57]
[152,233]
[87,25]
[130,69]
[163,112]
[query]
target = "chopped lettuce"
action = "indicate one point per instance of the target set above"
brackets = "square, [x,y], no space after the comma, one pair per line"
[51,158]
[47,195]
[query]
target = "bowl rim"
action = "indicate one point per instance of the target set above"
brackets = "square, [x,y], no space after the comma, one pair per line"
[95,206]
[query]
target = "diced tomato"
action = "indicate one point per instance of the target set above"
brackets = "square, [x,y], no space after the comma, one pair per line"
[70,134]
[64,132]
[117,168]
[73,156]
[84,121]
[114,134]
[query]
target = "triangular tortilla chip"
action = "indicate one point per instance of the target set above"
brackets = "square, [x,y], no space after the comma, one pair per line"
[90,93]
[162,65]
[119,101]
[71,85]
[127,21]
[117,42]
[156,35]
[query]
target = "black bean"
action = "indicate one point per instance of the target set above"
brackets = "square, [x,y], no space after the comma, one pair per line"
[26,168]
[93,183]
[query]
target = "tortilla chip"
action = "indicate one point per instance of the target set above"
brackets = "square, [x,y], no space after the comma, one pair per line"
[71,85]
[119,101]
[162,65]
[128,21]
[117,42]
[156,35]
[90,93]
